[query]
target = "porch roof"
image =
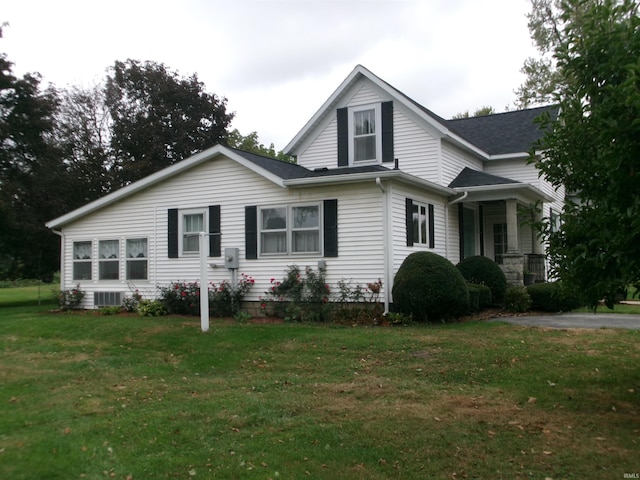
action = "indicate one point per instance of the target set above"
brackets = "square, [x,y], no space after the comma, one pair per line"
[479,186]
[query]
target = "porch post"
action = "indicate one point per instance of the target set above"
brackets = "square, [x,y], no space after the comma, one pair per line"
[536,241]
[513,243]
[512,260]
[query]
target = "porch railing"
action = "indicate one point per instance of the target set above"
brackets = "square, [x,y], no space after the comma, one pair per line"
[535,263]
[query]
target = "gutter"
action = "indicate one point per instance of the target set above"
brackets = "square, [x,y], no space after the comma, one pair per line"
[386,247]
[339,178]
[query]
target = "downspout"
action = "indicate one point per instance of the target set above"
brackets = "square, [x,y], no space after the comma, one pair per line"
[464,195]
[386,246]
[62,262]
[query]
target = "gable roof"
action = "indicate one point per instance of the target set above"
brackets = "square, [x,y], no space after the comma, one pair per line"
[283,174]
[487,136]
[503,133]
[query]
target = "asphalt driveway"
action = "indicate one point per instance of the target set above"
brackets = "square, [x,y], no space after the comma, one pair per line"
[576,320]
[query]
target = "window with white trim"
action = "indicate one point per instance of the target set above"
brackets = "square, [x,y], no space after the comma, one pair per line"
[108,259]
[192,222]
[136,259]
[82,260]
[289,229]
[365,144]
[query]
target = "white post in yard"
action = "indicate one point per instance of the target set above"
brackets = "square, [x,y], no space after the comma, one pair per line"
[204,285]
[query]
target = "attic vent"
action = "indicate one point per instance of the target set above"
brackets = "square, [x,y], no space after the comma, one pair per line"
[321,169]
[107,299]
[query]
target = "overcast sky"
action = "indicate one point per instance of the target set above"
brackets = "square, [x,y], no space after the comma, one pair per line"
[277,61]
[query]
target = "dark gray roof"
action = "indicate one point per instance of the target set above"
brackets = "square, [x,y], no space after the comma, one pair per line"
[473,178]
[503,133]
[282,169]
[288,171]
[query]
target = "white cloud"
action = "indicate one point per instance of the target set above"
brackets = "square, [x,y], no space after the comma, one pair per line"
[277,61]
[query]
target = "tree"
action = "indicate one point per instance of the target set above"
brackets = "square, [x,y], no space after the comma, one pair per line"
[251,143]
[29,167]
[82,133]
[159,118]
[480,112]
[593,150]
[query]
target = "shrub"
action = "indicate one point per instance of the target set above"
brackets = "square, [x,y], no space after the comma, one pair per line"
[552,297]
[151,308]
[484,271]
[354,304]
[130,304]
[429,287]
[113,310]
[224,299]
[297,297]
[479,296]
[183,298]
[517,299]
[71,299]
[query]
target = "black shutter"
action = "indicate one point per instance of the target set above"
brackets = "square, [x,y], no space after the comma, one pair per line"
[172,232]
[387,131]
[409,221]
[461,229]
[215,249]
[330,213]
[251,232]
[432,228]
[343,137]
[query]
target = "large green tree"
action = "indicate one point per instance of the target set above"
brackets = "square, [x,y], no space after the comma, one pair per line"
[159,118]
[29,173]
[594,148]
[251,143]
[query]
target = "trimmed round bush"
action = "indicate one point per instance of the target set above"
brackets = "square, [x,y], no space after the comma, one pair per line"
[552,297]
[430,288]
[479,296]
[484,271]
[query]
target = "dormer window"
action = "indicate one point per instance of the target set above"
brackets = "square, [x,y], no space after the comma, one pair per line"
[365,134]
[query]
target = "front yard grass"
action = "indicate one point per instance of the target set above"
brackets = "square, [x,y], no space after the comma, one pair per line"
[90,396]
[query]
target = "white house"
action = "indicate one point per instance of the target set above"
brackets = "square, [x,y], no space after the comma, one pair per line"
[377,177]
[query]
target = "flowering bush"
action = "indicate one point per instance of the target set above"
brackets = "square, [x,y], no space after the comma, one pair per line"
[224,299]
[71,299]
[183,298]
[297,297]
[358,305]
[130,304]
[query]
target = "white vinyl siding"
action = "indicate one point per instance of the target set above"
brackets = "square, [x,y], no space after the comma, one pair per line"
[399,227]
[454,160]
[144,215]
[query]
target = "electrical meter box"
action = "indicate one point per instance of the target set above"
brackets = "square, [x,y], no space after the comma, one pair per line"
[232,257]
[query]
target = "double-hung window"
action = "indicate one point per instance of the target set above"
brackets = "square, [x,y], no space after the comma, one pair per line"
[82,260]
[365,133]
[109,259]
[192,223]
[137,255]
[419,222]
[289,229]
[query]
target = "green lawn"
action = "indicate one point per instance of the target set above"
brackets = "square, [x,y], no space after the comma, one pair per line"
[46,293]
[90,396]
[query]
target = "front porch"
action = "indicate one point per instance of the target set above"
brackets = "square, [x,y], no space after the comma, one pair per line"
[495,218]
